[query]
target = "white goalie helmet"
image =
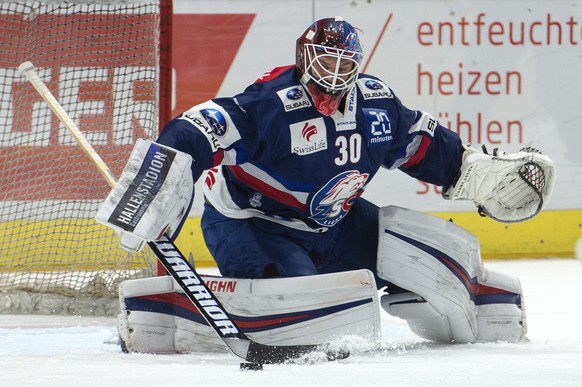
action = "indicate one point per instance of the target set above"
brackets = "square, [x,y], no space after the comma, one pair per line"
[328,57]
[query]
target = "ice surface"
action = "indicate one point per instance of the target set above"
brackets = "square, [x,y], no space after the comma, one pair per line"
[52,351]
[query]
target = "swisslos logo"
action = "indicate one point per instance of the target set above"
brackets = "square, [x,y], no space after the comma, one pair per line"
[372,89]
[293,98]
[308,136]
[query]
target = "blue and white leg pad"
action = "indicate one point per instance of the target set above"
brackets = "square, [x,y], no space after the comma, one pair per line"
[450,296]
[156,317]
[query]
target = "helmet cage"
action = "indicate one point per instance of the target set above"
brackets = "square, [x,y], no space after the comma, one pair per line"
[329,67]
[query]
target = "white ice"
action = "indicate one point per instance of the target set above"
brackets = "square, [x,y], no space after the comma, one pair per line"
[52,351]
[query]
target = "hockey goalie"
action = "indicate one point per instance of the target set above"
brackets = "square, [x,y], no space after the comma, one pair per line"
[301,254]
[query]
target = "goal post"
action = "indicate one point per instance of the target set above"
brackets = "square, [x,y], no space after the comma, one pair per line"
[109,64]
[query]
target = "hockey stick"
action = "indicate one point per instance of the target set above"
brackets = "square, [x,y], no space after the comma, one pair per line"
[179,267]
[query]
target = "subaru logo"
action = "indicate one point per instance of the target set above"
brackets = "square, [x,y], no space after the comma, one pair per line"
[295,93]
[216,121]
[374,85]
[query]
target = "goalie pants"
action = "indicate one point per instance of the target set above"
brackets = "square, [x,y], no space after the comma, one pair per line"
[258,248]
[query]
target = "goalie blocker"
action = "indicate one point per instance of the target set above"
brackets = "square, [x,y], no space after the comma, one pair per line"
[152,197]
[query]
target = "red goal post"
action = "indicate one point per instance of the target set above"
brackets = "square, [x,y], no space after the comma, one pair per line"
[109,65]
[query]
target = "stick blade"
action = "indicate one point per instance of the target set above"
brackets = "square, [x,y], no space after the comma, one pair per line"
[268,354]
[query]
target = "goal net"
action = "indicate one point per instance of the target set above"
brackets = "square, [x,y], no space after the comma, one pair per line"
[101,60]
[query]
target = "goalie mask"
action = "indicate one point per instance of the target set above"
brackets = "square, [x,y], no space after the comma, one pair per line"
[328,57]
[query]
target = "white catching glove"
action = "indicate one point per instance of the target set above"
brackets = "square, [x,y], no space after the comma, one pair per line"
[505,187]
[152,196]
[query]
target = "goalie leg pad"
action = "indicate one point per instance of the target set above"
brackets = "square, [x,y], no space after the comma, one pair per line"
[157,318]
[451,297]
[147,332]
[501,312]
[422,318]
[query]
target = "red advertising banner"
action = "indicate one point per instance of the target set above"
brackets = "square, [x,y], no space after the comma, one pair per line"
[204,47]
[99,72]
[83,58]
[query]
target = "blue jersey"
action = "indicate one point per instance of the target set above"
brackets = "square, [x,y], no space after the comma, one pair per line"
[269,153]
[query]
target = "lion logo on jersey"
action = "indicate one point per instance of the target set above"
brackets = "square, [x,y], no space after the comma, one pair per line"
[332,202]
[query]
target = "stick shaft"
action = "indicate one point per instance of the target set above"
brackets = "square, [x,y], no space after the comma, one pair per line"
[27,69]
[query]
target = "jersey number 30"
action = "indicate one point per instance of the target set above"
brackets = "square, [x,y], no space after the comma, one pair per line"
[350,149]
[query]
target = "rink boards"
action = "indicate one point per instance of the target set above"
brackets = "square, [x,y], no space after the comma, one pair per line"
[550,234]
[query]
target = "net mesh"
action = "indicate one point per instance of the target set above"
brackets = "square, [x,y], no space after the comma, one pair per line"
[101,61]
